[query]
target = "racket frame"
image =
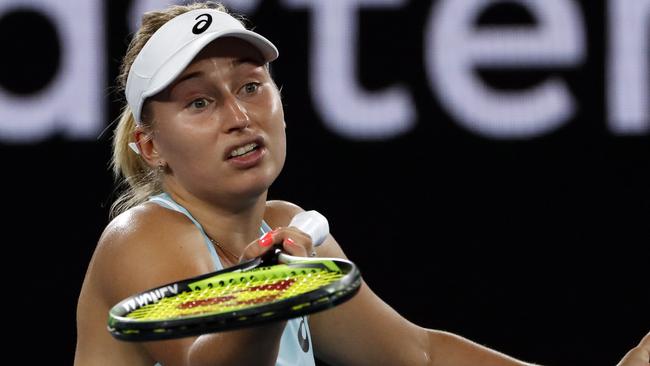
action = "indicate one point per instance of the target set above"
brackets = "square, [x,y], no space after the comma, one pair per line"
[323,298]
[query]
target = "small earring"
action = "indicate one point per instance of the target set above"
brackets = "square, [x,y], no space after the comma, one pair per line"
[161,166]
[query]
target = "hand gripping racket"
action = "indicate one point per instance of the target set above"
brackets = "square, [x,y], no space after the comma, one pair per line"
[275,286]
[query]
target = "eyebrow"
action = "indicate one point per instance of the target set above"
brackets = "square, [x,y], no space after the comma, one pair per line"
[235,63]
[191,75]
[247,60]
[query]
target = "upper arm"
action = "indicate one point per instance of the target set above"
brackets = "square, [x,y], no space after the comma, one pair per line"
[139,252]
[366,331]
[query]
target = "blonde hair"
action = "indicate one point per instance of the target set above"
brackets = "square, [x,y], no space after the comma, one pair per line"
[134,176]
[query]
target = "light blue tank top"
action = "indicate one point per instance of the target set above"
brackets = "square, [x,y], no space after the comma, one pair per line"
[295,344]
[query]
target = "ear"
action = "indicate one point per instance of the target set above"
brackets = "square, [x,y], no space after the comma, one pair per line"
[147,147]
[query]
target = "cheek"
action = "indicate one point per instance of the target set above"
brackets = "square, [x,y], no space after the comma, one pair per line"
[277,126]
[176,141]
[282,145]
[275,106]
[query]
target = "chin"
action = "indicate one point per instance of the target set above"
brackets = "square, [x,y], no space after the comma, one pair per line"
[255,186]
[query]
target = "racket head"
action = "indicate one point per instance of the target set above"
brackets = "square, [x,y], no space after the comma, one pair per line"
[249,294]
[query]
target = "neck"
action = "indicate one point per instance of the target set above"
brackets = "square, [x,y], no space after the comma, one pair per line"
[232,226]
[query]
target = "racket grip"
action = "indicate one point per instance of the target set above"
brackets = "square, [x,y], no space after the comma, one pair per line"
[313,224]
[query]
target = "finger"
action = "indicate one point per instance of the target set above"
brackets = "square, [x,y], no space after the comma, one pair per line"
[290,246]
[295,242]
[259,246]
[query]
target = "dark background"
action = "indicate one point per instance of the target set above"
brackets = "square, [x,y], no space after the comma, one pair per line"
[537,248]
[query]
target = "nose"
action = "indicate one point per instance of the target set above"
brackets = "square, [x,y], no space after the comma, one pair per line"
[235,115]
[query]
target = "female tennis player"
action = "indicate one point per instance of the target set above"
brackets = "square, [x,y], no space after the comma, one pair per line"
[198,145]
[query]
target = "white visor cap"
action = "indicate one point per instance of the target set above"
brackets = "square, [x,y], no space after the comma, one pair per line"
[174,45]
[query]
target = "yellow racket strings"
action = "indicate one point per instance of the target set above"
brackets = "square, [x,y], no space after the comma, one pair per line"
[255,289]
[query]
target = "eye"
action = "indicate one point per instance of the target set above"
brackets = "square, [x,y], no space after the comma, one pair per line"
[199,103]
[251,88]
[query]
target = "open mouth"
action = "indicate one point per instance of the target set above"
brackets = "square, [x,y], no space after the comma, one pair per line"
[243,150]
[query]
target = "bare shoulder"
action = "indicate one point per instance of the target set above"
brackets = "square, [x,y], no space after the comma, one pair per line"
[280,213]
[142,248]
[146,246]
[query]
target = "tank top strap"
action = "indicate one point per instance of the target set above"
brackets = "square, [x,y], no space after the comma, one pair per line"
[166,201]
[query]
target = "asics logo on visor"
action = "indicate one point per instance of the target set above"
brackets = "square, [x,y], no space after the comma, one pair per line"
[202,24]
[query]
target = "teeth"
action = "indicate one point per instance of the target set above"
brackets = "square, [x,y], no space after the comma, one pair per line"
[243,150]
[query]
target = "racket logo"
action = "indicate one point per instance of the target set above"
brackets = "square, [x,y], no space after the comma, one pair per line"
[303,340]
[149,297]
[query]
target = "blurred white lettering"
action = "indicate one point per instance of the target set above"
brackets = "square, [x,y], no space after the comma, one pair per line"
[454,49]
[345,107]
[73,103]
[628,67]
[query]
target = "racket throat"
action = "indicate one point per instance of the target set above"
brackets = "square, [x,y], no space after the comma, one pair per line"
[272,257]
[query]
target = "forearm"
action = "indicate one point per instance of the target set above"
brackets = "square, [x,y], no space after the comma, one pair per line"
[452,350]
[252,346]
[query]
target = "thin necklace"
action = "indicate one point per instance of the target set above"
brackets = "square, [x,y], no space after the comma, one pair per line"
[216,243]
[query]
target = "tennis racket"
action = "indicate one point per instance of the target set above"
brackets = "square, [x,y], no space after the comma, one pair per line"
[275,286]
